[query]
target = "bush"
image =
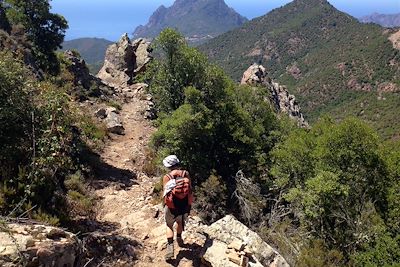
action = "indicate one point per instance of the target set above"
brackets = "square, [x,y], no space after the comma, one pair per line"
[39,146]
[335,181]
[211,199]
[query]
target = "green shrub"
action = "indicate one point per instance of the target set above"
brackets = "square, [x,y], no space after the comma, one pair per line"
[211,199]
[42,216]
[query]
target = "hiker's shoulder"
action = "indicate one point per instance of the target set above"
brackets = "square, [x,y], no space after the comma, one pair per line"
[180,172]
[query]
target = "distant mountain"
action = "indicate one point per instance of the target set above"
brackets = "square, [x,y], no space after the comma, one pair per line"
[198,20]
[392,20]
[92,50]
[332,63]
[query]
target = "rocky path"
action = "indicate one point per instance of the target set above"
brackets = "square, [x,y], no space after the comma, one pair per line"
[126,196]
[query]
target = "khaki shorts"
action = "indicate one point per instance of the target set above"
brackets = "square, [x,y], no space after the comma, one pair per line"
[170,219]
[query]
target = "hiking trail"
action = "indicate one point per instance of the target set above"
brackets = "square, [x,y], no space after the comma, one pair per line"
[125,193]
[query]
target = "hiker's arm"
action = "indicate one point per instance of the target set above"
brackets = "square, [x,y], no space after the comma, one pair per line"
[165,180]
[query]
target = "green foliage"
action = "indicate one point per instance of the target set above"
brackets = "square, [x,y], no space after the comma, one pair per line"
[316,255]
[204,119]
[383,250]
[211,198]
[16,109]
[336,181]
[391,153]
[180,66]
[39,145]
[46,218]
[90,129]
[44,29]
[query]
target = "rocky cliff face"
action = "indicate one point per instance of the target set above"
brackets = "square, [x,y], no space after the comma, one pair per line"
[280,98]
[124,60]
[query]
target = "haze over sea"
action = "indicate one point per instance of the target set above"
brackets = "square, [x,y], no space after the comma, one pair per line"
[110,19]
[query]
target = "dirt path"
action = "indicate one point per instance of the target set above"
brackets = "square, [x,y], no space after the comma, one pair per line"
[126,200]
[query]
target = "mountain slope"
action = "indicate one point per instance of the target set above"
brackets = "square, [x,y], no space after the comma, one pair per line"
[92,50]
[324,56]
[196,19]
[391,20]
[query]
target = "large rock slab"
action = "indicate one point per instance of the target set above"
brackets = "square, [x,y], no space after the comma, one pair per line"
[38,245]
[227,230]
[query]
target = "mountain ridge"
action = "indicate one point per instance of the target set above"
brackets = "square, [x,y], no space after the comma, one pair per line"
[198,20]
[385,20]
[324,56]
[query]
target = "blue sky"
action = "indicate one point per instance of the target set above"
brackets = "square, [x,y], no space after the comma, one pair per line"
[110,19]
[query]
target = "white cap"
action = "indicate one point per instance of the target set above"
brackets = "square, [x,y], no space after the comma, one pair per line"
[170,161]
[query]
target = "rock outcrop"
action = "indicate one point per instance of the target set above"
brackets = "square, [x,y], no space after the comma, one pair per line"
[85,83]
[395,39]
[38,245]
[123,61]
[228,230]
[229,243]
[79,69]
[283,102]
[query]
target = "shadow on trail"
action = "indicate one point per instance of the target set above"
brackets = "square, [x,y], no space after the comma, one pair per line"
[193,252]
[106,174]
[102,244]
[84,226]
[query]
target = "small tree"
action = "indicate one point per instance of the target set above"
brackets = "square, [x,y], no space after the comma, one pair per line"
[44,29]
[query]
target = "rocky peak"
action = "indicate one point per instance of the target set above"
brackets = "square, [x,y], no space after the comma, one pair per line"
[194,18]
[283,102]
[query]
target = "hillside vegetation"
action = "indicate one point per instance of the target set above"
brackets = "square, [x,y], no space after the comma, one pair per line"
[325,57]
[44,137]
[323,196]
[329,191]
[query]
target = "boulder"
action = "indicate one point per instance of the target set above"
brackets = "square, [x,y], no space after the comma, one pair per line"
[123,61]
[228,231]
[38,245]
[113,122]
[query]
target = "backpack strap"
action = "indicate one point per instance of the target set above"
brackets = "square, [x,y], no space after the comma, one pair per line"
[170,176]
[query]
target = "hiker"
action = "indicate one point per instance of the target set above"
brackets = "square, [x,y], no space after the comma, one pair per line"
[178,199]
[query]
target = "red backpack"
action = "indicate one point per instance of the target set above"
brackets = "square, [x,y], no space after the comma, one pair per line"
[180,198]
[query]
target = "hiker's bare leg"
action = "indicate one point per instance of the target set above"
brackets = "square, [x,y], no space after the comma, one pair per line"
[170,231]
[179,229]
